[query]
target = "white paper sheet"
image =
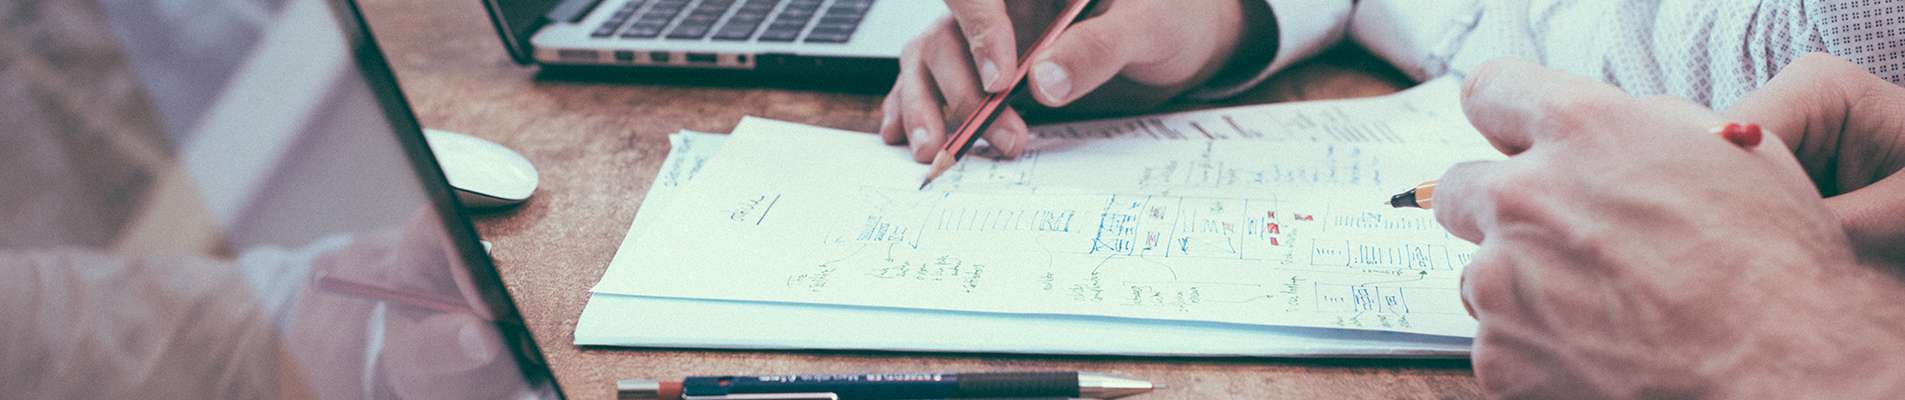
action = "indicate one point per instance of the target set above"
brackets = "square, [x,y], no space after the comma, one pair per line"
[637,321]
[1264,232]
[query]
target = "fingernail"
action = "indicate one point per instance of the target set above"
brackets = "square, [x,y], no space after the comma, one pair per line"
[989,72]
[472,342]
[1009,146]
[886,118]
[918,137]
[1053,80]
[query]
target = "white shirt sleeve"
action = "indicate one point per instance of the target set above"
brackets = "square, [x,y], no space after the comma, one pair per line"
[1416,37]
[1710,51]
[1310,27]
[1304,28]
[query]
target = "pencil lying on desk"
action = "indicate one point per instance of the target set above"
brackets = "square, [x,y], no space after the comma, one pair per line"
[960,142]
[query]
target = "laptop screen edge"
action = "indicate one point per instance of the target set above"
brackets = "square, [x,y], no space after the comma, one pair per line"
[369,59]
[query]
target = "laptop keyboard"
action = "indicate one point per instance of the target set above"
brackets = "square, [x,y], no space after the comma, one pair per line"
[736,20]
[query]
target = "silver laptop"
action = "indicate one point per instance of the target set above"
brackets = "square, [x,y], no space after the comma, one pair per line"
[772,37]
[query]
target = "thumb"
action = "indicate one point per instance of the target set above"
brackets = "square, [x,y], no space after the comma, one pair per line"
[1807,106]
[1084,58]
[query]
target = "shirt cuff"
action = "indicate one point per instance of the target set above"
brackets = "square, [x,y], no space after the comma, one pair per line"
[1418,39]
[1304,28]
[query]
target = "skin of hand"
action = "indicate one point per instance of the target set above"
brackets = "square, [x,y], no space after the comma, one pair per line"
[1847,128]
[1129,55]
[1628,253]
[426,353]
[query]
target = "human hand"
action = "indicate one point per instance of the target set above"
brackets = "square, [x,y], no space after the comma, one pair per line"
[1128,55]
[440,339]
[1625,252]
[1847,128]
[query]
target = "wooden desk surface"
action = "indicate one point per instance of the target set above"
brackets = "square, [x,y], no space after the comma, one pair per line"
[599,145]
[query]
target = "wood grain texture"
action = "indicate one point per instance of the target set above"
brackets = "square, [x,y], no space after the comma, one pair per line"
[599,145]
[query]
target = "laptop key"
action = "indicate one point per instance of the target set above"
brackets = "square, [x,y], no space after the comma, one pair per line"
[831,19]
[750,19]
[759,5]
[738,28]
[830,33]
[796,14]
[695,26]
[643,30]
[668,10]
[828,37]
[781,33]
[735,33]
[834,28]
[846,6]
[688,32]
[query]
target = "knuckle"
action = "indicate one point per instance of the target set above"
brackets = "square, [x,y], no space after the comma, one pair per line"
[919,112]
[1489,282]
[1662,100]
[909,55]
[1516,197]
[1483,275]
[975,18]
[1822,60]
[1565,116]
[979,35]
[1484,75]
[937,33]
[1096,45]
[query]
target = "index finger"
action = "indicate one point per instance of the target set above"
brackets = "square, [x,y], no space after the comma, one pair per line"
[1517,104]
[987,27]
[1462,205]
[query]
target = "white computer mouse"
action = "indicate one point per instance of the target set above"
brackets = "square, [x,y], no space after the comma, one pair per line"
[484,174]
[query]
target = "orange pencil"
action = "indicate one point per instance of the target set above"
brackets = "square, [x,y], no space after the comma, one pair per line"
[981,119]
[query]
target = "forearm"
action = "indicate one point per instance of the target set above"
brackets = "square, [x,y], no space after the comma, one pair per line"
[177,328]
[1843,336]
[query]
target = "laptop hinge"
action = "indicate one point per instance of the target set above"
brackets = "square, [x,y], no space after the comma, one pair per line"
[571,11]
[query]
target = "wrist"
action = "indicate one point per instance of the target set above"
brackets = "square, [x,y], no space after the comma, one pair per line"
[1852,344]
[1247,59]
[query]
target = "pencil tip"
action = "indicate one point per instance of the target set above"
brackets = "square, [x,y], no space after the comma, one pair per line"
[940,163]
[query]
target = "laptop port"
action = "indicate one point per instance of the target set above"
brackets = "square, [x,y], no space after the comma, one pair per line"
[576,55]
[625,56]
[703,58]
[659,57]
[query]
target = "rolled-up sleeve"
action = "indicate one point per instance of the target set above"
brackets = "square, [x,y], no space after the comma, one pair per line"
[1304,28]
[1418,38]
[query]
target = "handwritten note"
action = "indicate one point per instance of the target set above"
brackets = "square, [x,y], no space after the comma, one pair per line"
[1270,232]
[688,153]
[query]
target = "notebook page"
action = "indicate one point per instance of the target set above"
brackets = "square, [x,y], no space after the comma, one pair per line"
[1244,232]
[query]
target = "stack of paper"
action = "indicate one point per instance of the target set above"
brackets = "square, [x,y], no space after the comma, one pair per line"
[1253,231]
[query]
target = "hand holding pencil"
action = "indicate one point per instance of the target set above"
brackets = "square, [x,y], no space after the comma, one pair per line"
[1125,56]
[980,120]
